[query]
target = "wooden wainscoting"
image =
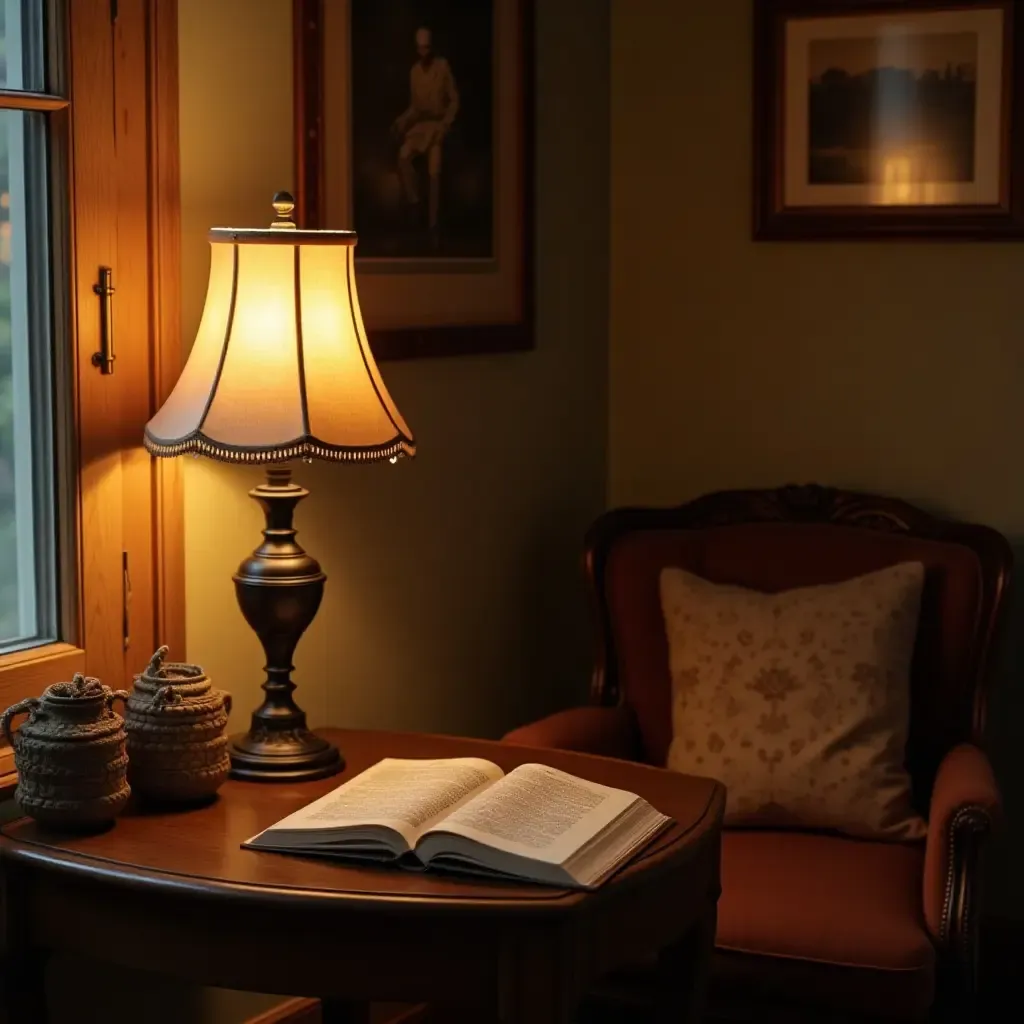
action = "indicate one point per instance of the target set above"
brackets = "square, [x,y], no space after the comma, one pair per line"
[1001,986]
[1002,953]
[307,1011]
[292,1011]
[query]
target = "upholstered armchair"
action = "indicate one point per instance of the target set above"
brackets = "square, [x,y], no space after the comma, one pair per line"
[815,920]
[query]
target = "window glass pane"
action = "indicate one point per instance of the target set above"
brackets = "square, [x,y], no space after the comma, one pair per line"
[28,602]
[22,45]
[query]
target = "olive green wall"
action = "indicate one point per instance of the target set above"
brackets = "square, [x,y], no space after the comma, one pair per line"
[894,368]
[454,600]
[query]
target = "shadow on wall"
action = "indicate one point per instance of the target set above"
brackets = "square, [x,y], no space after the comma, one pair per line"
[1004,895]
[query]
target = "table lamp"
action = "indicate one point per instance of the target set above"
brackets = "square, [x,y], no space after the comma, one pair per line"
[280,369]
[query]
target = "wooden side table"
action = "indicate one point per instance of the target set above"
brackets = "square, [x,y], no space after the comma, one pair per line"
[173,892]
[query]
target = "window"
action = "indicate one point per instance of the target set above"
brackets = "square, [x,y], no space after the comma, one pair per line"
[28,146]
[90,545]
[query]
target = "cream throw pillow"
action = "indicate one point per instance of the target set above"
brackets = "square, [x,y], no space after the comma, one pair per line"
[797,701]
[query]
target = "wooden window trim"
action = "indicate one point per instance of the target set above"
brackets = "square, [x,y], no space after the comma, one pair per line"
[26,673]
[38,662]
[165,264]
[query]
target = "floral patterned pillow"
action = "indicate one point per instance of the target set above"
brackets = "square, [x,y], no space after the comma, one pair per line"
[798,701]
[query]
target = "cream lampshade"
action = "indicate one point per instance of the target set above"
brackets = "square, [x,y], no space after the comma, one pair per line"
[281,369]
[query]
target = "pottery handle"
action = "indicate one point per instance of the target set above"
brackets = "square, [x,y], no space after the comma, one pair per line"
[166,695]
[29,705]
[156,662]
[227,703]
[117,695]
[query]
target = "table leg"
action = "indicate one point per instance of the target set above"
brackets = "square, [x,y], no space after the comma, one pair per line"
[535,989]
[541,1014]
[683,973]
[344,1011]
[24,986]
[535,1006]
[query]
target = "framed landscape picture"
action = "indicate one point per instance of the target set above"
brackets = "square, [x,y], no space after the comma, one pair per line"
[892,119]
[414,123]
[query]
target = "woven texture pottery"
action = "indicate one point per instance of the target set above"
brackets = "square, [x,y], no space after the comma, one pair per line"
[70,754]
[177,749]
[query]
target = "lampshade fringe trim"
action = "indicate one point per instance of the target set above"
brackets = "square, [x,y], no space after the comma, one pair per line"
[302,450]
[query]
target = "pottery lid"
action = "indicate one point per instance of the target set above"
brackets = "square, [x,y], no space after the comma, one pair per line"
[187,680]
[177,700]
[81,687]
[177,671]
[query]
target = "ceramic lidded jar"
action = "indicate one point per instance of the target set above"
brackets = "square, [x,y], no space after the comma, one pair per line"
[70,754]
[177,748]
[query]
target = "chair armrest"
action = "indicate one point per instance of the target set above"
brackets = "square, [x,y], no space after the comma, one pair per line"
[590,730]
[964,807]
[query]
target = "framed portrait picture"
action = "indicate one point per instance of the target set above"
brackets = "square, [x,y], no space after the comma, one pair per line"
[414,124]
[892,118]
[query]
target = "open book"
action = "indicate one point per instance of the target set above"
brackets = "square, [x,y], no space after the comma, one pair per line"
[464,814]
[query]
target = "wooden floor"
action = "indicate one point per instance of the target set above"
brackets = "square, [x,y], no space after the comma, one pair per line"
[1002,967]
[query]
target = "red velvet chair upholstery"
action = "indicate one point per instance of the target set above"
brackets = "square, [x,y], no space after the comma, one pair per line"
[815,920]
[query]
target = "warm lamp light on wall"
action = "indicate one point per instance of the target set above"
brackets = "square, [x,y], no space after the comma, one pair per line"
[281,369]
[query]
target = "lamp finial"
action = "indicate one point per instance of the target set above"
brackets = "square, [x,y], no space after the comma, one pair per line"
[284,207]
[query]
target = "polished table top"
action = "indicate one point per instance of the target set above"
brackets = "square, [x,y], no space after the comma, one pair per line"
[198,850]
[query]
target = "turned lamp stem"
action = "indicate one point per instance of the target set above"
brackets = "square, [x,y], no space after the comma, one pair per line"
[281,369]
[279,588]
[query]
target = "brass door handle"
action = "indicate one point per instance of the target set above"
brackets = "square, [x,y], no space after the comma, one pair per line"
[126,602]
[104,288]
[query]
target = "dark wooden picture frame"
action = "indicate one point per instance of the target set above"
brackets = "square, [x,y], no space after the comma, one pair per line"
[311,140]
[777,219]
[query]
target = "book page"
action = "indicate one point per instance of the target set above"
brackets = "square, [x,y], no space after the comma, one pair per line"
[407,795]
[538,812]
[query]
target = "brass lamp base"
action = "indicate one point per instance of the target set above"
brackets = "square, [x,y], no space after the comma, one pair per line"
[279,588]
[299,756]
